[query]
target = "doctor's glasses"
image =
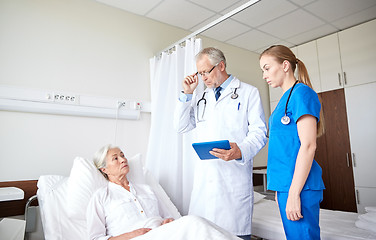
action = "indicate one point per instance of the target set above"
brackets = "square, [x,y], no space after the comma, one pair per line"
[205,74]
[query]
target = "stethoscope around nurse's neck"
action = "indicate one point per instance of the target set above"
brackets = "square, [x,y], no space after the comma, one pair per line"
[285,119]
[234,95]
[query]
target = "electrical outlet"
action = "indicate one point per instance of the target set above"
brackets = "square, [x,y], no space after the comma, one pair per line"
[123,104]
[66,98]
[137,105]
[130,104]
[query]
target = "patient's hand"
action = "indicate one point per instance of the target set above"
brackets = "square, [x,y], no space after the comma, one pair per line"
[167,220]
[139,232]
[130,235]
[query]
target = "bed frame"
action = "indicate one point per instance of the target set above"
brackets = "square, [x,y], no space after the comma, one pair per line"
[17,207]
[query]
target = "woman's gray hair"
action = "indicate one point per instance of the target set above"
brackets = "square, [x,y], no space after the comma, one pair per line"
[214,54]
[99,158]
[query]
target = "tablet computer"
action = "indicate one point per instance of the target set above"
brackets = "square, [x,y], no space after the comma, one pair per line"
[202,148]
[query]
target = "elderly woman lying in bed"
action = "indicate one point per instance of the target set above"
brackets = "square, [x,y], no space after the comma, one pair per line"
[123,210]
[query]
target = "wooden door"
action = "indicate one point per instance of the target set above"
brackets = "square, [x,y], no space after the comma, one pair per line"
[334,155]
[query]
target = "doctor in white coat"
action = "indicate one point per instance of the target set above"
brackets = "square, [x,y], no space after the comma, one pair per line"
[223,188]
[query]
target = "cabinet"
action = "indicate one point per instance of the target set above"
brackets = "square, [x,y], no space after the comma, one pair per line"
[358,53]
[365,198]
[360,103]
[308,54]
[329,57]
[347,58]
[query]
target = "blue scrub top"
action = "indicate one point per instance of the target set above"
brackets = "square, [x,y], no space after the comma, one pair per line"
[284,142]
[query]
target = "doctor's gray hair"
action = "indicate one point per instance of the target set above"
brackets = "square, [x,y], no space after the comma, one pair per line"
[99,158]
[215,55]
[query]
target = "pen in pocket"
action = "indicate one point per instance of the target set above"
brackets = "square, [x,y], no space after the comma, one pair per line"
[238,106]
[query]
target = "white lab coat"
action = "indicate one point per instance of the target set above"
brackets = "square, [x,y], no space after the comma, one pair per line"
[223,191]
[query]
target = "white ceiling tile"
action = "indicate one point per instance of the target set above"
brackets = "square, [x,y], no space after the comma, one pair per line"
[287,44]
[234,6]
[355,19]
[284,43]
[313,34]
[216,6]
[226,30]
[139,7]
[205,22]
[302,2]
[291,24]
[335,9]
[215,17]
[253,40]
[182,14]
[287,22]
[264,11]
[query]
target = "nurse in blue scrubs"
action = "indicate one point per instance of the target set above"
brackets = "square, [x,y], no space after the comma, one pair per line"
[294,126]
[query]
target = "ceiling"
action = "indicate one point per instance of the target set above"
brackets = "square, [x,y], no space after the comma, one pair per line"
[267,22]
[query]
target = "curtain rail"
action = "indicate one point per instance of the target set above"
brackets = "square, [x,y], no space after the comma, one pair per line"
[210,25]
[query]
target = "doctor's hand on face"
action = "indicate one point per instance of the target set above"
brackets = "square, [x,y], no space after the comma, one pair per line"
[190,83]
[227,155]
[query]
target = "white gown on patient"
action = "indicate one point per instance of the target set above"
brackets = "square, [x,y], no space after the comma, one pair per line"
[113,211]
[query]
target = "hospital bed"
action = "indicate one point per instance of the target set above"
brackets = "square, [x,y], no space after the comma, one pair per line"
[335,225]
[63,202]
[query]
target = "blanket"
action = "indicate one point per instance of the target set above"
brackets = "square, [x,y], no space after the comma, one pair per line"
[367,221]
[188,227]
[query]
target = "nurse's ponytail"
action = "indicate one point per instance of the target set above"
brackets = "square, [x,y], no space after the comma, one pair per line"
[282,53]
[304,78]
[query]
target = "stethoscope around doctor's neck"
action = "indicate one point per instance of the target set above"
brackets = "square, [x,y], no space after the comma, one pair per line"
[234,95]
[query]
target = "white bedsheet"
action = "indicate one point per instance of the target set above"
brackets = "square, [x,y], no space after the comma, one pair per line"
[335,225]
[188,227]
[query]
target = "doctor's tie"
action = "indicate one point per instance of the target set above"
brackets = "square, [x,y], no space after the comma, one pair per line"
[217,92]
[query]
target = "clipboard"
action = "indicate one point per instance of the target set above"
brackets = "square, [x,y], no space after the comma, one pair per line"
[202,148]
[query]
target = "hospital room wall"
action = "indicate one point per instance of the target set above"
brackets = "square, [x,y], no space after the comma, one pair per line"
[84,47]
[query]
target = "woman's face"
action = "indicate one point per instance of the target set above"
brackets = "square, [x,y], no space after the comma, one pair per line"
[117,164]
[272,71]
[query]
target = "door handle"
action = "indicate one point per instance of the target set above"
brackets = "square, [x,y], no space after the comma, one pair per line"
[345,78]
[347,160]
[339,79]
[353,159]
[357,196]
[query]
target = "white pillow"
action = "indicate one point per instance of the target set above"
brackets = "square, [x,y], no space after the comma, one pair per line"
[85,179]
[257,197]
[136,169]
